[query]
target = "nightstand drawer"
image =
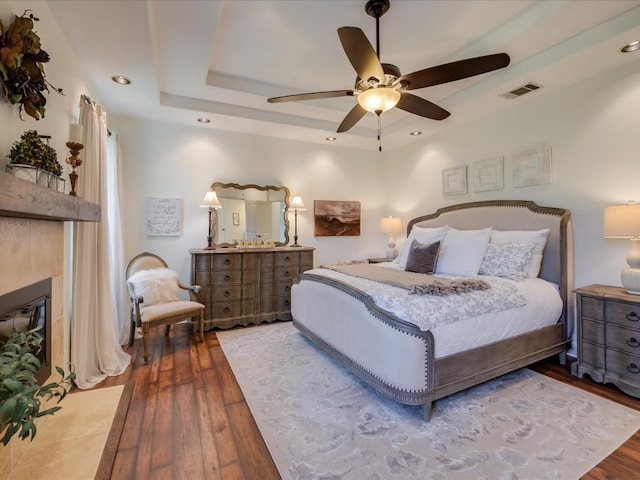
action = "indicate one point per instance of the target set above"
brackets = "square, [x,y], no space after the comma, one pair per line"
[623,339]
[592,308]
[593,331]
[592,354]
[623,313]
[623,364]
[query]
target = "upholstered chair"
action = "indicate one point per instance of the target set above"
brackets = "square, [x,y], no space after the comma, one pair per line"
[155,300]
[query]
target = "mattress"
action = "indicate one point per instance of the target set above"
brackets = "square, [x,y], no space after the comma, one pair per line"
[542,307]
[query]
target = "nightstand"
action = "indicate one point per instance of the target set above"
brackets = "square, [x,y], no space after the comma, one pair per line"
[609,337]
[378,260]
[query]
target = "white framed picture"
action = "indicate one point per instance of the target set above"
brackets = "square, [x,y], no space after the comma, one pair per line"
[454,181]
[164,217]
[488,174]
[532,167]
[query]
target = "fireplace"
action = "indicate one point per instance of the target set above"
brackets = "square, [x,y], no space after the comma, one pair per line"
[29,308]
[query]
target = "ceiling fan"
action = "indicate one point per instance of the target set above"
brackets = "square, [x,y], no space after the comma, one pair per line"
[380,86]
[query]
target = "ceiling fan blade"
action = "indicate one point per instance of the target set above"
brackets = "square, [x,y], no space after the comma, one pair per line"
[360,53]
[450,72]
[419,106]
[352,118]
[311,96]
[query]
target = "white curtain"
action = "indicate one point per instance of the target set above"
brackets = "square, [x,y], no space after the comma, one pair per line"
[95,314]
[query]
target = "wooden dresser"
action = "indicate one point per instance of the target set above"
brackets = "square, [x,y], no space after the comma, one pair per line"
[241,286]
[609,337]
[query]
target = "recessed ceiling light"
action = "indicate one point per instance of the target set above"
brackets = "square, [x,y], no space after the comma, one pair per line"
[416,133]
[631,47]
[121,80]
[204,120]
[331,139]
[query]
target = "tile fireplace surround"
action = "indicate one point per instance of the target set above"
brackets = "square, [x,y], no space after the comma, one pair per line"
[32,237]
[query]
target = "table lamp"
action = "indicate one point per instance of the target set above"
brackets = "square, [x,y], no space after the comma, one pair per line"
[211,202]
[623,221]
[391,225]
[296,206]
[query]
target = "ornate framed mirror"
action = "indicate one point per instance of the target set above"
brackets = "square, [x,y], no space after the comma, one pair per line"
[251,212]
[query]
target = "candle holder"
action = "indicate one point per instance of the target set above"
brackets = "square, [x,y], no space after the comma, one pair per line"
[75,162]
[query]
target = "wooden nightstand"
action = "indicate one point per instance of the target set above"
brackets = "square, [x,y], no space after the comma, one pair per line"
[609,337]
[377,260]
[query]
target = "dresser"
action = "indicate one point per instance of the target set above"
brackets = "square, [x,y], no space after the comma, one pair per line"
[240,286]
[609,337]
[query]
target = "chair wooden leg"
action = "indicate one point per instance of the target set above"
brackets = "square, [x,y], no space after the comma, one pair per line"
[145,342]
[201,325]
[166,330]
[132,332]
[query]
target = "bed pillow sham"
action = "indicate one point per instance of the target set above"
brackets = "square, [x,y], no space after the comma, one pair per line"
[507,260]
[423,235]
[422,257]
[462,251]
[523,236]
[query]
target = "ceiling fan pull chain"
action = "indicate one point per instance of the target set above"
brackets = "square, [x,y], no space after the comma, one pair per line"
[379,133]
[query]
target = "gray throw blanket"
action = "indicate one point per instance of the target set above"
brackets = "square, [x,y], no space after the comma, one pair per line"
[416,283]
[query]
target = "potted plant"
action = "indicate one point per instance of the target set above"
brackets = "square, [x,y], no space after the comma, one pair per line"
[33,160]
[22,76]
[20,395]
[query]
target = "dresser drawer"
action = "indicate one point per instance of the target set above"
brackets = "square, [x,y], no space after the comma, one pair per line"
[624,339]
[623,313]
[226,277]
[282,303]
[284,274]
[593,331]
[226,261]
[249,260]
[231,308]
[592,354]
[282,259]
[202,262]
[623,364]
[592,308]
[225,293]
[282,288]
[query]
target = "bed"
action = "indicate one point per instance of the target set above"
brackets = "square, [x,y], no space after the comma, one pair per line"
[416,365]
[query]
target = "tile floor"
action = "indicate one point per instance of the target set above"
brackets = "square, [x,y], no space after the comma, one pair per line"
[69,444]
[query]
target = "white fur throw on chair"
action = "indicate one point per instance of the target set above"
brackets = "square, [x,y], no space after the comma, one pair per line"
[156,286]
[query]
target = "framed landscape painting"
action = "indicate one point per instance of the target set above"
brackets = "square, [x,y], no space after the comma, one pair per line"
[336,218]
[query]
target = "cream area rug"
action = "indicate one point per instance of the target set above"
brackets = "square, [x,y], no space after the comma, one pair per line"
[321,422]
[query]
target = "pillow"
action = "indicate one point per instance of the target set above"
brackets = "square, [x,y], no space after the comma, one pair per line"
[508,260]
[462,251]
[422,258]
[423,235]
[158,285]
[523,236]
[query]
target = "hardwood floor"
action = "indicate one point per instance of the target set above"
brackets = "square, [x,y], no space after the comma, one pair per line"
[188,418]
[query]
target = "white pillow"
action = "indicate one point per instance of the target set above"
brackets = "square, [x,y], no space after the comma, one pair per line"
[158,285]
[524,236]
[462,251]
[423,235]
[508,260]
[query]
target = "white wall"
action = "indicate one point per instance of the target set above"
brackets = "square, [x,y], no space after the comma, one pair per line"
[162,160]
[593,131]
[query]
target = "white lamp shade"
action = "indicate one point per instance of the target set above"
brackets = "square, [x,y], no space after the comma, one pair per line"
[378,100]
[297,204]
[210,200]
[622,221]
[391,225]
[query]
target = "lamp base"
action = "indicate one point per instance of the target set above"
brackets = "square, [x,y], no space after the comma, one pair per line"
[631,280]
[392,253]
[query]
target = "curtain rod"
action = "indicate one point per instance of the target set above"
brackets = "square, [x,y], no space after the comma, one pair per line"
[87,100]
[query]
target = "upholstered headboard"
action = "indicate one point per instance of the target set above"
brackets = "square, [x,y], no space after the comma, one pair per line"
[557,261]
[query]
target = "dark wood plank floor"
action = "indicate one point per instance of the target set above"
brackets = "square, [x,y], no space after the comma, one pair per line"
[188,418]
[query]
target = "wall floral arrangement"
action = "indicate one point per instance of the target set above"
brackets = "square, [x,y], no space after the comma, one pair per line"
[22,74]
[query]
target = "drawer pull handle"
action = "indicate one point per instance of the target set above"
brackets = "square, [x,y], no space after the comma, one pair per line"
[632,317]
[286,302]
[287,274]
[287,288]
[632,342]
[227,261]
[633,368]
[287,258]
[227,310]
[227,293]
[227,278]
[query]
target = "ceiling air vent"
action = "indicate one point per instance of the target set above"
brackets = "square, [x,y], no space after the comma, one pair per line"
[518,92]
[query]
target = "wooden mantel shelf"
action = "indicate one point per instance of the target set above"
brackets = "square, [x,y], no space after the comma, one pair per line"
[19,198]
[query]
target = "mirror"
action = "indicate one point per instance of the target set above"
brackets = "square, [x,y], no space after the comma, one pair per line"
[251,212]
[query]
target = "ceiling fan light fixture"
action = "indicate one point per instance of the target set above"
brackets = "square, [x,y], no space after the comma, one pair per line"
[379,100]
[631,47]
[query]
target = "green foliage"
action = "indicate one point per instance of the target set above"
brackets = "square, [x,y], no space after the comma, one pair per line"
[22,75]
[31,150]
[20,395]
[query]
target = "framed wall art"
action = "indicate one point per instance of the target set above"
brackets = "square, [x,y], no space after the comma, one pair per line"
[532,167]
[488,174]
[236,219]
[336,218]
[163,216]
[454,181]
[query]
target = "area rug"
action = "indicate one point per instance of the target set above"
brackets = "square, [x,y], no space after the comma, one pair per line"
[319,421]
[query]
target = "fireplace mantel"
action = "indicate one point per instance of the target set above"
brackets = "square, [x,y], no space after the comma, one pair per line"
[19,198]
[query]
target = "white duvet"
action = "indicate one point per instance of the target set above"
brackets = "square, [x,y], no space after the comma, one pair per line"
[456,326]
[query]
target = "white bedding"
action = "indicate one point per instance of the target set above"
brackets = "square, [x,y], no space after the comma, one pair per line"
[542,307]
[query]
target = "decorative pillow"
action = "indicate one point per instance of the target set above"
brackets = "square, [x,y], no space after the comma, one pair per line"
[158,285]
[423,235]
[524,236]
[422,258]
[508,260]
[462,251]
